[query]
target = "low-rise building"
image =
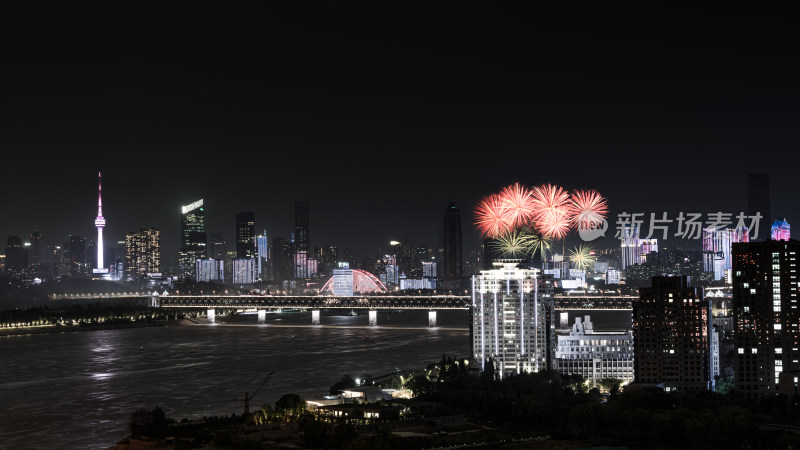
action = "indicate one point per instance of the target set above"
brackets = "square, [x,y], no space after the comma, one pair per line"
[595,355]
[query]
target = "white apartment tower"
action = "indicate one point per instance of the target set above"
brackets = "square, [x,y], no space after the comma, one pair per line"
[510,323]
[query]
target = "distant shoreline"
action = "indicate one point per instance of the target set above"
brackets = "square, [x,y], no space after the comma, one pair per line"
[26,331]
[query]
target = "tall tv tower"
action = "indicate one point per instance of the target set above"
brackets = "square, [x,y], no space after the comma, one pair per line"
[99,222]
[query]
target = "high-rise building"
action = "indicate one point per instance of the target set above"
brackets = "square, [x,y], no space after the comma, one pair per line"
[35,256]
[343,280]
[262,249]
[210,270]
[143,254]
[672,335]
[78,261]
[629,241]
[218,249]
[595,355]
[244,271]
[452,259]
[193,238]
[16,257]
[647,246]
[717,244]
[780,231]
[758,199]
[246,235]
[302,235]
[282,257]
[510,308]
[766,317]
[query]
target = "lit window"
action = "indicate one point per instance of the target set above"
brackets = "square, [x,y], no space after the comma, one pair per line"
[741,351]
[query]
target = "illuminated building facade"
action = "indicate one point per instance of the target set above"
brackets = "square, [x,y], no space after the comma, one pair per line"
[766,317]
[595,355]
[343,280]
[510,310]
[210,270]
[143,254]
[647,246]
[246,235]
[629,241]
[672,335]
[717,244]
[193,238]
[244,271]
[780,231]
[262,249]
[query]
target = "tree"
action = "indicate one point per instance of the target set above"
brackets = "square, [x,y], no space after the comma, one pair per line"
[291,405]
[149,423]
[346,382]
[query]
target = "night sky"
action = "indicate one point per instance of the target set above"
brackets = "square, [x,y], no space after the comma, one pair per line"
[379,114]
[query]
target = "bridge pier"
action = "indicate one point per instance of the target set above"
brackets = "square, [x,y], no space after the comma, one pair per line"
[373,318]
[262,316]
[432,319]
[211,315]
[314,317]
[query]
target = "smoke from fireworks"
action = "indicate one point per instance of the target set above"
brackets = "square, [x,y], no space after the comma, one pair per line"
[582,257]
[518,203]
[589,208]
[552,210]
[492,216]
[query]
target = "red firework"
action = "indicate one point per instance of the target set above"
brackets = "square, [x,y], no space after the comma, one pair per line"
[589,208]
[492,216]
[552,210]
[517,201]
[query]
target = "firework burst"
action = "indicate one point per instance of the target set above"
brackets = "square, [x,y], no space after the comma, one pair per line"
[514,244]
[539,243]
[492,217]
[518,203]
[552,210]
[582,257]
[589,208]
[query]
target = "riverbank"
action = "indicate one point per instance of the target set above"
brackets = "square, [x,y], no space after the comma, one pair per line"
[46,329]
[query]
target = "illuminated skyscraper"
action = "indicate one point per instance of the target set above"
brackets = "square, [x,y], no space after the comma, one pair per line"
[302,235]
[717,244]
[780,230]
[193,238]
[143,254]
[244,271]
[246,235]
[631,253]
[510,306]
[766,317]
[262,248]
[672,333]
[210,270]
[452,259]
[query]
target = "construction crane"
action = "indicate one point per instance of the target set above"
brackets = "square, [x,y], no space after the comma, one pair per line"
[248,397]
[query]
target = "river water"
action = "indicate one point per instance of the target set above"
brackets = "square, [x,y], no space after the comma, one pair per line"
[78,389]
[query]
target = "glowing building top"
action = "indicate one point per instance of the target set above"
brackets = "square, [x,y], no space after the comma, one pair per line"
[780,230]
